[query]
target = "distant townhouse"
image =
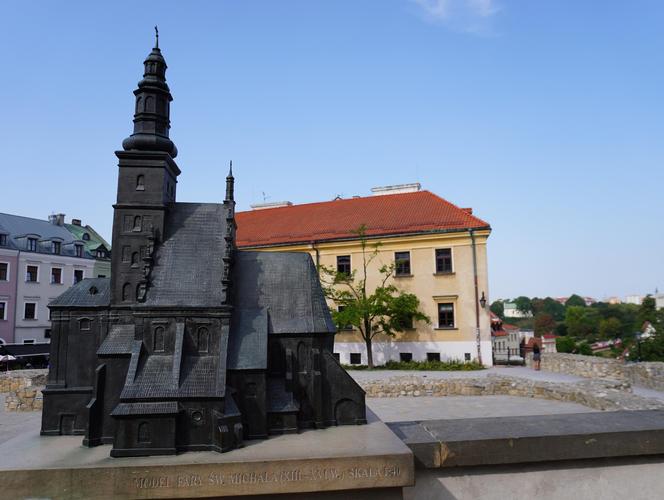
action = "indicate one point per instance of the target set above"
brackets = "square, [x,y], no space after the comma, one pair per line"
[439,252]
[40,259]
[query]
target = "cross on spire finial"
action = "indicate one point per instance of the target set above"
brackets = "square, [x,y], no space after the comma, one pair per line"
[230,171]
[156,37]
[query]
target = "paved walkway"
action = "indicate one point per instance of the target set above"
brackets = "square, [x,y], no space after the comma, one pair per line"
[15,422]
[512,371]
[453,407]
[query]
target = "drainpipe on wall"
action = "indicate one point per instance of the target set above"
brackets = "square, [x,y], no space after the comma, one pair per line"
[315,249]
[477,297]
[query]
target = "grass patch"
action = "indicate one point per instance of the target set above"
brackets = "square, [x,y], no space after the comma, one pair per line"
[452,366]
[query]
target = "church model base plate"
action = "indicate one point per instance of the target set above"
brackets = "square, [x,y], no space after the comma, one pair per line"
[359,457]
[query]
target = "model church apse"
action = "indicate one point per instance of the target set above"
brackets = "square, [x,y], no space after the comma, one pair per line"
[191,344]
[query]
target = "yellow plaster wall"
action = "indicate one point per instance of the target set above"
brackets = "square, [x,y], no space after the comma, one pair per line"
[429,287]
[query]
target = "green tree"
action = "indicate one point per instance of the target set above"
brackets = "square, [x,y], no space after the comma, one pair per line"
[544,323]
[565,344]
[610,328]
[498,308]
[524,305]
[647,312]
[386,310]
[581,322]
[554,308]
[575,301]
[584,348]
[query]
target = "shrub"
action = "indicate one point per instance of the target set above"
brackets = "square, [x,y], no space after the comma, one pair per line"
[453,365]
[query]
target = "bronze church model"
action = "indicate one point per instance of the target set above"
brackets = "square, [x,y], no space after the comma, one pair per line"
[191,344]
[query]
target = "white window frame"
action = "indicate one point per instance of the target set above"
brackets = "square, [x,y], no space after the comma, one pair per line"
[454,314]
[62,276]
[73,276]
[4,311]
[36,310]
[9,267]
[38,272]
[435,261]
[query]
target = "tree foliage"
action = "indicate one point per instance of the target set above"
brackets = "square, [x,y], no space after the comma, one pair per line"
[544,323]
[582,321]
[610,328]
[498,308]
[383,310]
[575,300]
[524,305]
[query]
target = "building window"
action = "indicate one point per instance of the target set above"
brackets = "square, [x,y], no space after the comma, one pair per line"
[86,237]
[140,183]
[137,224]
[446,315]
[406,323]
[47,333]
[126,254]
[84,325]
[402,263]
[3,240]
[29,341]
[159,339]
[32,244]
[78,275]
[3,311]
[56,276]
[443,260]
[78,250]
[337,356]
[355,358]
[433,356]
[30,310]
[126,292]
[4,271]
[405,356]
[55,247]
[32,274]
[466,356]
[202,339]
[101,254]
[134,259]
[343,264]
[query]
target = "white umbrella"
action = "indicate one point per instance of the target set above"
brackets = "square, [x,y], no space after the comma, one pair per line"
[7,357]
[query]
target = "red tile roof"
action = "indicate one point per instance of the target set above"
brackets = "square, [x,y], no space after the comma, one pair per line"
[406,213]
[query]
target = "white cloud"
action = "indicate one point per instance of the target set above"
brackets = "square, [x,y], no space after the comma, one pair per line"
[465,15]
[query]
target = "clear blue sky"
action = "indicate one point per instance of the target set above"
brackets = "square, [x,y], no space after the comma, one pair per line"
[547,117]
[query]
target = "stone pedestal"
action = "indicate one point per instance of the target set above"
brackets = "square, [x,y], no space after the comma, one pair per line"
[367,460]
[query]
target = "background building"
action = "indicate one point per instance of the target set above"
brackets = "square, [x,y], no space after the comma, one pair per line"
[42,258]
[442,248]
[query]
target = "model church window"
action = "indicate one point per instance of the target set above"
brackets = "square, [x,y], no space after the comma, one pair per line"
[134,259]
[137,223]
[202,339]
[84,324]
[144,432]
[126,292]
[159,339]
[140,183]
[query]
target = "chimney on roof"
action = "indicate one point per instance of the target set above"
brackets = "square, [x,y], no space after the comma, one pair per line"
[396,189]
[272,204]
[468,210]
[76,222]
[60,219]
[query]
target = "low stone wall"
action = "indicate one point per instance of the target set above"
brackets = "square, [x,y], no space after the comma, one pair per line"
[597,394]
[16,380]
[28,399]
[24,389]
[646,374]
[582,366]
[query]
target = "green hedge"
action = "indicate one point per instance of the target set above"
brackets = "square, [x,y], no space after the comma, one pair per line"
[454,365]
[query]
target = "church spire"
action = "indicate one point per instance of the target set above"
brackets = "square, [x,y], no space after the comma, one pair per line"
[152,112]
[230,181]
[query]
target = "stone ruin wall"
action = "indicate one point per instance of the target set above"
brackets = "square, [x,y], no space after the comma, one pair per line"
[23,389]
[646,374]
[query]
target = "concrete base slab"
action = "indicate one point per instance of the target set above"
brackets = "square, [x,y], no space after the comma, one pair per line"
[337,459]
[506,440]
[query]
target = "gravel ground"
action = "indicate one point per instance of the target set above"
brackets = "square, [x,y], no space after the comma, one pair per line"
[13,423]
